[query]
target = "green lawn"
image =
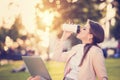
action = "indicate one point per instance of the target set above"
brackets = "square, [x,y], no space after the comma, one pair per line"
[55,70]
[113,69]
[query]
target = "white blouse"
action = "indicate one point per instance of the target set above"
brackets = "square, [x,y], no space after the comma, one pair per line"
[75,61]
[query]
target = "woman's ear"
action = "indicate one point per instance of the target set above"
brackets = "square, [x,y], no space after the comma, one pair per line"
[90,36]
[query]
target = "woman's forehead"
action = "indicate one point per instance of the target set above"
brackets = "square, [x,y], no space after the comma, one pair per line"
[87,25]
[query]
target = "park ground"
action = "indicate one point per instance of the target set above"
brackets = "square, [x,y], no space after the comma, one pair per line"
[55,69]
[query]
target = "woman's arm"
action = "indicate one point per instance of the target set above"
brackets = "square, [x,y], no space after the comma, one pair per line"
[99,64]
[59,55]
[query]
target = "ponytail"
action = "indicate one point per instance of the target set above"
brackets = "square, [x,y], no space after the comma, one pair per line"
[86,49]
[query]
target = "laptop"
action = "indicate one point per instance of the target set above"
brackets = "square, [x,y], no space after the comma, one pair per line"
[36,66]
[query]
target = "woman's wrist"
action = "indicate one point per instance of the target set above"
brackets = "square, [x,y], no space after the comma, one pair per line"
[62,39]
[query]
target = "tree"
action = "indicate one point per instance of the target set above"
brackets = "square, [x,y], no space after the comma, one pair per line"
[115,31]
[13,33]
[78,11]
[3,34]
[81,10]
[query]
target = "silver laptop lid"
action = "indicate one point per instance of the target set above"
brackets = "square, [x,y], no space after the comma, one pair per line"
[36,66]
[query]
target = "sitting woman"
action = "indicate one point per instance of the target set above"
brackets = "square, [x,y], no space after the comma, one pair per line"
[84,61]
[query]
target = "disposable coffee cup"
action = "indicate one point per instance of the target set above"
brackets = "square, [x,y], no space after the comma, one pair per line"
[71,27]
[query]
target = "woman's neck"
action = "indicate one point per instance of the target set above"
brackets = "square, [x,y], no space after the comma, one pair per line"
[87,42]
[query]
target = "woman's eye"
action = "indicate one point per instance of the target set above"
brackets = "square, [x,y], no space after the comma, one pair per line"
[84,29]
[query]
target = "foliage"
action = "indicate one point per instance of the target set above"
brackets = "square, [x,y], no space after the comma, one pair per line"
[3,34]
[81,10]
[115,31]
[13,33]
[78,11]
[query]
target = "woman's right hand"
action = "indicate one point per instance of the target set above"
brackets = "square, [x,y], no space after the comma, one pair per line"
[34,78]
[65,35]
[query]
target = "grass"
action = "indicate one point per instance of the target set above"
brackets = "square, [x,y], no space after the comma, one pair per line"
[56,70]
[113,69]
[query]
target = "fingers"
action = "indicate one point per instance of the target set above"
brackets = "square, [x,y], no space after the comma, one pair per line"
[34,78]
[70,21]
[29,78]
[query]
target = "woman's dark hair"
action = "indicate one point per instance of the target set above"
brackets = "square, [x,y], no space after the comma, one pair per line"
[98,36]
[97,31]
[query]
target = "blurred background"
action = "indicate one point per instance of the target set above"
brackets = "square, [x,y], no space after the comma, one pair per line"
[32,26]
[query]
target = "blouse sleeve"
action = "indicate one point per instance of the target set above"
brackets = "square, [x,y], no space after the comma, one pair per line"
[59,55]
[99,64]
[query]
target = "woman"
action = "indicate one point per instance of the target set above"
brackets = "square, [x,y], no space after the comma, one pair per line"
[84,61]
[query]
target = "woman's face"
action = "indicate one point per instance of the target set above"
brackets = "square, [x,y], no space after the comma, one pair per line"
[84,33]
